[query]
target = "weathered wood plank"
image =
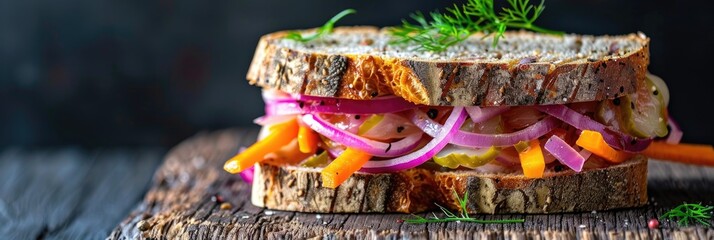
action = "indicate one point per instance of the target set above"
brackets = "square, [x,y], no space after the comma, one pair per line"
[70,193]
[179,206]
[116,182]
[41,195]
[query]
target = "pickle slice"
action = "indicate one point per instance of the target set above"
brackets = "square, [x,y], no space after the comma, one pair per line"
[642,114]
[645,112]
[660,86]
[453,157]
[320,160]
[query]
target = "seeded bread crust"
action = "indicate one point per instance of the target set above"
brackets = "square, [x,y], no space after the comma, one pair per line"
[416,190]
[523,69]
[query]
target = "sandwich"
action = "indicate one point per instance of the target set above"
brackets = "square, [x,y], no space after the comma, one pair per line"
[537,123]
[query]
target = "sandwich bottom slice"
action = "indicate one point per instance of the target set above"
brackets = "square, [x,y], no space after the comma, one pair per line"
[294,188]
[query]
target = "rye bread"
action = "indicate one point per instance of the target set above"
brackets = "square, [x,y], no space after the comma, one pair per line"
[523,69]
[415,190]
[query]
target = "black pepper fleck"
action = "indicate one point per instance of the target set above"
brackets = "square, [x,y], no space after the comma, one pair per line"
[358,117]
[400,129]
[632,105]
[616,101]
[622,89]
[322,103]
[558,168]
[655,92]
[604,65]
[374,94]
[633,142]
[301,104]
[388,147]
[432,113]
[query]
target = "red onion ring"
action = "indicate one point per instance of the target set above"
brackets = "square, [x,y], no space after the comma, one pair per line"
[247,175]
[480,140]
[283,108]
[534,131]
[272,119]
[334,152]
[585,153]
[314,104]
[416,158]
[615,139]
[479,114]
[272,96]
[564,153]
[675,133]
[348,139]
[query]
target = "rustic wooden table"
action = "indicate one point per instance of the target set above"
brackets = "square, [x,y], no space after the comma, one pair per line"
[69,193]
[74,194]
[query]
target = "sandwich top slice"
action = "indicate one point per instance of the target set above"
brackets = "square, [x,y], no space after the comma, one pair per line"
[537,123]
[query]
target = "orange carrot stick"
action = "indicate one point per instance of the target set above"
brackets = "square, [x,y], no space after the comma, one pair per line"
[684,153]
[343,166]
[280,135]
[307,140]
[532,160]
[593,142]
[287,155]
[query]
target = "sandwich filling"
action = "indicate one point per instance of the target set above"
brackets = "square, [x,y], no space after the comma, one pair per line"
[389,134]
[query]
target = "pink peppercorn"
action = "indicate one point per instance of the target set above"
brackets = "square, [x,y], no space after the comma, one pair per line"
[653,223]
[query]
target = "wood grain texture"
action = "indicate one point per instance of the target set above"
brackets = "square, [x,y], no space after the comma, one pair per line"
[70,193]
[179,205]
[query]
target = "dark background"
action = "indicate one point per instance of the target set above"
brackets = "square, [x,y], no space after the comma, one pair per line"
[98,73]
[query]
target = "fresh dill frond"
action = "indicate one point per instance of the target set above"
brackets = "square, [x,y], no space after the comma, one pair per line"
[452,217]
[324,29]
[690,213]
[460,22]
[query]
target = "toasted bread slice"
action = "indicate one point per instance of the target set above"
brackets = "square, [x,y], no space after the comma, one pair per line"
[415,190]
[523,69]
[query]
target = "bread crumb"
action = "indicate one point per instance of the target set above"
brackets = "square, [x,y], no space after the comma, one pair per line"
[226,206]
[143,225]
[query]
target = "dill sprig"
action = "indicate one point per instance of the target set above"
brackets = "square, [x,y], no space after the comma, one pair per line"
[324,29]
[462,217]
[458,23]
[690,213]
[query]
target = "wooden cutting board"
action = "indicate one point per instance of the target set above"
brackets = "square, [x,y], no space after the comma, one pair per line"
[193,198]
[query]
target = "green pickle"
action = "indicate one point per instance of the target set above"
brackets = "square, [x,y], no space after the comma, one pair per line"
[320,160]
[455,157]
[642,114]
[370,123]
